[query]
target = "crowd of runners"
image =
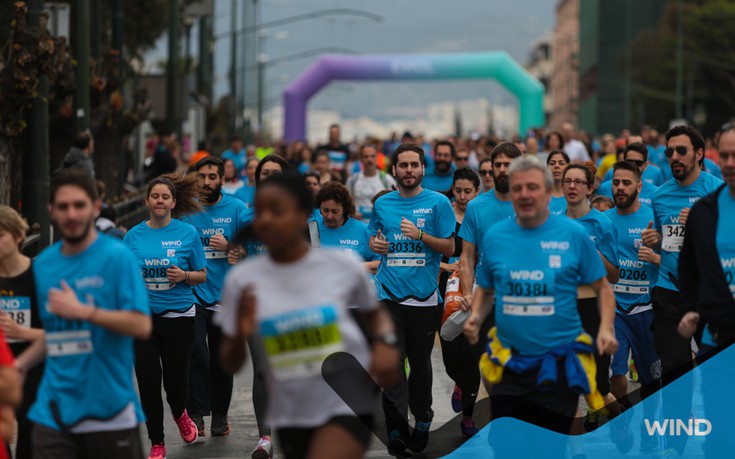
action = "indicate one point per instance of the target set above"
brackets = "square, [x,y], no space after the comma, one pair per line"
[554,267]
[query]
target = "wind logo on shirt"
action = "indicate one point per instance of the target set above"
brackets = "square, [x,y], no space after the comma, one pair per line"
[428,211]
[555,245]
[525,274]
[693,200]
[400,237]
[728,263]
[635,230]
[630,264]
[222,220]
[349,242]
[157,262]
[89,282]
[171,243]
[674,219]
[212,231]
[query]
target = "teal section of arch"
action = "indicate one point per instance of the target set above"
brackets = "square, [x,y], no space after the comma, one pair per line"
[497,65]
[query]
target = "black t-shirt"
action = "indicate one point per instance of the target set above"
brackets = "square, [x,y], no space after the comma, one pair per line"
[18,300]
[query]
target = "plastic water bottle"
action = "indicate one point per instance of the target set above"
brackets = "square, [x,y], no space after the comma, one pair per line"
[454,325]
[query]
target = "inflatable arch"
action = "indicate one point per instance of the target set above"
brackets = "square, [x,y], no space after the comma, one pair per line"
[498,65]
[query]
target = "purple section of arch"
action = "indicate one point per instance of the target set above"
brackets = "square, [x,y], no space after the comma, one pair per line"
[498,65]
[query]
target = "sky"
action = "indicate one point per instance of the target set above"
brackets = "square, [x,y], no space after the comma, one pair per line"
[408,26]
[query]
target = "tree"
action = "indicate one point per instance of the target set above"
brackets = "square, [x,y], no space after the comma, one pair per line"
[28,52]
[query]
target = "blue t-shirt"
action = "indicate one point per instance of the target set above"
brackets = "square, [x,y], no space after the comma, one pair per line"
[353,237]
[602,233]
[437,182]
[652,176]
[88,373]
[535,274]
[725,240]
[157,249]
[246,194]
[220,218]
[633,290]
[253,246]
[408,273]
[656,156]
[645,197]
[482,213]
[238,158]
[558,206]
[668,201]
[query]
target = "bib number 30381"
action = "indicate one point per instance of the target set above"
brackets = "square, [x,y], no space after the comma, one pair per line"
[673,238]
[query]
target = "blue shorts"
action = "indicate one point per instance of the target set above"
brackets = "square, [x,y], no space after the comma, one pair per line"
[635,333]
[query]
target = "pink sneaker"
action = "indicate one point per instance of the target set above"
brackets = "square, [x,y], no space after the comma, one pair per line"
[158,452]
[187,428]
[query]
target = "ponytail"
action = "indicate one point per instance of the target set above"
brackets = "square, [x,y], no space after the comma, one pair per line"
[185,191]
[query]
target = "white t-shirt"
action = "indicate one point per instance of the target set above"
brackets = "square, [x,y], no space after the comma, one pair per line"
[364,188]
[303,317]
[576,151]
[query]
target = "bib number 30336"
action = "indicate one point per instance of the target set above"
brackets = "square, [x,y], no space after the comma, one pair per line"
[673,238]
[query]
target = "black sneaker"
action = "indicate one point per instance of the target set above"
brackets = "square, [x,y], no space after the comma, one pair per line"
[420,436]
[220,426]
[199,422]
[397,445]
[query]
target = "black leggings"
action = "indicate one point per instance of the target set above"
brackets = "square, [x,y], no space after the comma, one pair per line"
[462,362]
[165,355]
[415,328]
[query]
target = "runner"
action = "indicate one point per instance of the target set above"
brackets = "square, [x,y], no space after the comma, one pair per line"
[246,193]
[411,228]
[19,319]
[636,153]
[671,205]
[233,182]
[171,260]
[486,174]
[439,177]
[95,303]
[338,229]
[634,314]
[537,262]
[365,184]
[708,286]
[210,388]
[268,299]
[312,181]
[338,154]
[484,212]
[460,358]
[556,162]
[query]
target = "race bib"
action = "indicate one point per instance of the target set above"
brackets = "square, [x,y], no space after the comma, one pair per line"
[298,342]
[76,342]
[155,273]
[673,238]
[18,308]
[529,293]
[406,254]
[633,280]
[211,254]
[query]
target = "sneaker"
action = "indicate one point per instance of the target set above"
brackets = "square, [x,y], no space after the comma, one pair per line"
[158,452]
[199,422]
[591,421]
[468,428]
[220,426]
[264,450]
[620,433]
[457,399]
[648,442]
[397,445]
[420,436]
[187,428]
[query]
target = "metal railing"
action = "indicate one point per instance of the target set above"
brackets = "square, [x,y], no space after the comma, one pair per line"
[130,208]
[31,244]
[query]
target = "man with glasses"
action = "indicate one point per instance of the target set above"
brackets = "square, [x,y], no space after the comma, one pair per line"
[635,153]
[671,205]
[482,213]
[486,174]
[462,158]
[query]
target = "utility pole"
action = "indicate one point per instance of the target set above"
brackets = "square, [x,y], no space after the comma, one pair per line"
[173,124]
[204,69]
[628,81]
[261,91]
[679,58]
[118,21]
[35,188]
[234,116]
[81,39]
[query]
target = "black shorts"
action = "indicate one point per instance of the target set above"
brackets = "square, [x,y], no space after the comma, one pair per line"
[116,444]
[590,316]
[295,442]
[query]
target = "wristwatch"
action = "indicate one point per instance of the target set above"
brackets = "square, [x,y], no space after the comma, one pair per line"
[387,338]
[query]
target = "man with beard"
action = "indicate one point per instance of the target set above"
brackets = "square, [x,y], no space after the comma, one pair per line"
[483,212]
[440,178]
[411,229]
[95,303]
[635,153]
[638,272]
[210,388]
[671,205]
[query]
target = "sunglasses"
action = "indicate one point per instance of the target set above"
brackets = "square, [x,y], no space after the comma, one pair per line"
[680,150]
[462,158]
[486,172]
[637,162]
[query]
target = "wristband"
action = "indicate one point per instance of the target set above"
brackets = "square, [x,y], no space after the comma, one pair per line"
[187,276]
[421,235]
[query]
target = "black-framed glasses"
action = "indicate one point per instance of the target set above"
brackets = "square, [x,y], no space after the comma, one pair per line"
[638,162]
[576,182]
[680,150]
[462,158]
[486,172]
